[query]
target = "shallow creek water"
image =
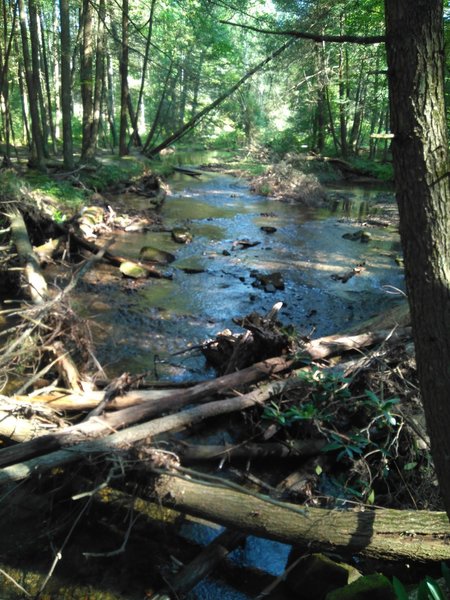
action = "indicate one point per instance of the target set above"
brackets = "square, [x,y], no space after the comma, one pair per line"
[143,327]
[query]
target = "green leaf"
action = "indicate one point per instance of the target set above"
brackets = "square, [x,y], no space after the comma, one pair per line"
[429,590]
[434,591]
[409,467]
[371,497]
[318,470]
[399,589]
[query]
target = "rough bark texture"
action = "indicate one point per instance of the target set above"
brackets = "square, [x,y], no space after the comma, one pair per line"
[415,51]
[383,533]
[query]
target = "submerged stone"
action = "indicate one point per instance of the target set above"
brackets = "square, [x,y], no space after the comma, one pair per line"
[133,270]
[151,254]
[181,235]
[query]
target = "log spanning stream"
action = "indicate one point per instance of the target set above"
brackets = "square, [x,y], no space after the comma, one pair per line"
[143,328]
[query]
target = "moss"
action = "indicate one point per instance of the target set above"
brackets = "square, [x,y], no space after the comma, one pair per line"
[370,587]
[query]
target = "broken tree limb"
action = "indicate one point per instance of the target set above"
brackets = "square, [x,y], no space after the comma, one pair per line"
[101,426]
[79,401]
[376,533]
[293,448]
[202,565]
[36,285]
[338,344]
[110,422]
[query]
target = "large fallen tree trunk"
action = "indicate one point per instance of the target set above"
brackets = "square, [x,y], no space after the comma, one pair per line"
[378,533]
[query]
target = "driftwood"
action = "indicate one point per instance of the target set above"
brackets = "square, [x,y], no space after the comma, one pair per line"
[100,426]
[187,171]
[317,349]
[36,285]
[375,533]
[80,401]
[333,345]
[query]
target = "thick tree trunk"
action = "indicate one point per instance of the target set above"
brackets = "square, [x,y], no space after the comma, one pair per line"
[415,52]
[383,533]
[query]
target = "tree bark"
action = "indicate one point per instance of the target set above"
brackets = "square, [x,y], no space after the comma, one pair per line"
[86,78]
[415,53]
[66,85]
[37,149]
[381,534]
[36,285]
[124,91]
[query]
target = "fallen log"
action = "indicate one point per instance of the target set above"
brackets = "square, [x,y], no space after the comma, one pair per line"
[333,345]
[187,171]
[80,401]
[100,426]
[418,536]
[320,348]
[36,285]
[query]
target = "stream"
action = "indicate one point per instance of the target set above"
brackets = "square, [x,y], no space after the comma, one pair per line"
[155,325]
[151,327]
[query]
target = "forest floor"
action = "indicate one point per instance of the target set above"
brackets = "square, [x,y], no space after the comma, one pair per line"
[329,424]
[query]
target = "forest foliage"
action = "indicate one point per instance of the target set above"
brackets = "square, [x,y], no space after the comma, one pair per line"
[81,75]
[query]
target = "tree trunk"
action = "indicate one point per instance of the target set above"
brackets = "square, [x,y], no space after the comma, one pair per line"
[100,58]
[381,534]
[37,149]
[66,86]
[123,146]
[136,137]
[86,77]
[46,76]
[110,101]
[210,107]
[36,71]
[415,52]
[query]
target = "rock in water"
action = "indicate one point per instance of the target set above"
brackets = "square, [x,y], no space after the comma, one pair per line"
[133,270]
[181,235]
[150,254]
